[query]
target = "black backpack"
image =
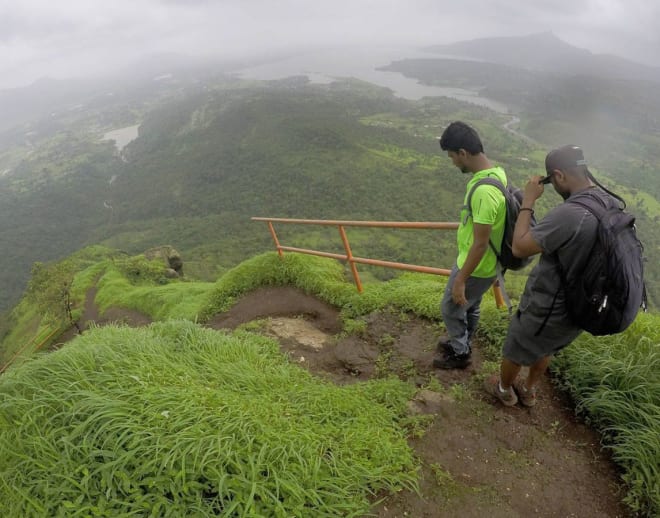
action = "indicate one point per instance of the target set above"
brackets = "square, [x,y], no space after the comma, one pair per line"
[513,197]
[606,297]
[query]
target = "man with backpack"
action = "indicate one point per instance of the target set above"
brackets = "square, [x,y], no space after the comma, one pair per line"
[480,224]
[570,238]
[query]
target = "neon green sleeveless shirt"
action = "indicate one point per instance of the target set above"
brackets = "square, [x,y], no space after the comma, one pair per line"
[488,208]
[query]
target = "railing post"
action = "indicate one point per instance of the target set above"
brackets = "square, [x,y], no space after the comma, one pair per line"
[349,258]
[497,293]
[274,235]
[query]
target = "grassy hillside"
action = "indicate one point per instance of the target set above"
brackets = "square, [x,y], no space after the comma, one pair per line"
[614,381]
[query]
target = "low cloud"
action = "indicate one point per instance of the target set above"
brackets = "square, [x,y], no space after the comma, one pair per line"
[81,37]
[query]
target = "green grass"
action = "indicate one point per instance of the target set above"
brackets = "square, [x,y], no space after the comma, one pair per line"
[616,384]
[615,381]
[160,302]
[177,420]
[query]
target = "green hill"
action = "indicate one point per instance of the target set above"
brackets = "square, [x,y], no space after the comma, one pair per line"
[545,51]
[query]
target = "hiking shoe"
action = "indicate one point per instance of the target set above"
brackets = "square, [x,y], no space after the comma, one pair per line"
[492,386]
[451,360]
[526,397]
[443,345]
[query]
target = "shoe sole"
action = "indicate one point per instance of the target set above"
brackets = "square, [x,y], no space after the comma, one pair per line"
[451,367]
[437,364]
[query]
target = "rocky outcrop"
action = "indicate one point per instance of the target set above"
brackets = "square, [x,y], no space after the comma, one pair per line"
[170,258]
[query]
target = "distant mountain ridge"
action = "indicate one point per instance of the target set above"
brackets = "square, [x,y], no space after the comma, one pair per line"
[546,52]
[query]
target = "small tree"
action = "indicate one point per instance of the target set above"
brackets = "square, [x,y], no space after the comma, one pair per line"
[49,290]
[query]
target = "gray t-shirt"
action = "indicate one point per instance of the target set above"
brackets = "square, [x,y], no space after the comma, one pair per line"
[566,235]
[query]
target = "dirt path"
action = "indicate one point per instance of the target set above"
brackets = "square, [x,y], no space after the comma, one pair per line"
[478,458]
[92,316]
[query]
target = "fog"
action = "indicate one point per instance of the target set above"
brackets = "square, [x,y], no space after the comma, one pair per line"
[82,38]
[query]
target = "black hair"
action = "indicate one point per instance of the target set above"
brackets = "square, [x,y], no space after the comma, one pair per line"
[459,135]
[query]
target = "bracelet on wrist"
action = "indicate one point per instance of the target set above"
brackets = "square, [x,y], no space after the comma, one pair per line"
[527,208]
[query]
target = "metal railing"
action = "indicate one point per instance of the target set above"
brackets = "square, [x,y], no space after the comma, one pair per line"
[36,343]
[353,260]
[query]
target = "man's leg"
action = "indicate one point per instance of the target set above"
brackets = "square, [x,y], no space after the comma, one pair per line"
[454,318]
[501,386]
[523,347]
[508,373]
[475,288]
[461,321]
[472,318]
[509,370]
[536,370]
[526,390]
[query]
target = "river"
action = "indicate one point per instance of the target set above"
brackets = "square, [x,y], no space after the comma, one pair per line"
[363,63]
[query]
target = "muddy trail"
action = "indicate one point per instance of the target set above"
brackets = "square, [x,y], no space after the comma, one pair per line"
[478,458]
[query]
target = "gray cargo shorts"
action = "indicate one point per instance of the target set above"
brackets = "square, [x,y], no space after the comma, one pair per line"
[523,347]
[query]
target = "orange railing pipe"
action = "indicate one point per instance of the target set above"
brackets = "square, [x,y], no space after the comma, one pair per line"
[350,223]
[352,260]
[373,262]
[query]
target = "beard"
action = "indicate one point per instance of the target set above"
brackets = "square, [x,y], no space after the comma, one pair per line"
[564,194]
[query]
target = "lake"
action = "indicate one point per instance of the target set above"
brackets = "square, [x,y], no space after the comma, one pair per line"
[362,63]
[122,136]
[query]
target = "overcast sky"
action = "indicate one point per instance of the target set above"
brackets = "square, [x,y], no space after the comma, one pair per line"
[77,38]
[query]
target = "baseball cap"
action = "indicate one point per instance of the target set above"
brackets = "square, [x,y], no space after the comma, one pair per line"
[562,158]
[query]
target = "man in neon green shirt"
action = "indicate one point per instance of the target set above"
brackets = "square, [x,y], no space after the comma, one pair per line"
[475,268]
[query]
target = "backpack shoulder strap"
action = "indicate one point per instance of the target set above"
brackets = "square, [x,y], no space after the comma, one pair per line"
[592,203]
[613,194]
[484,181]
[468,204]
